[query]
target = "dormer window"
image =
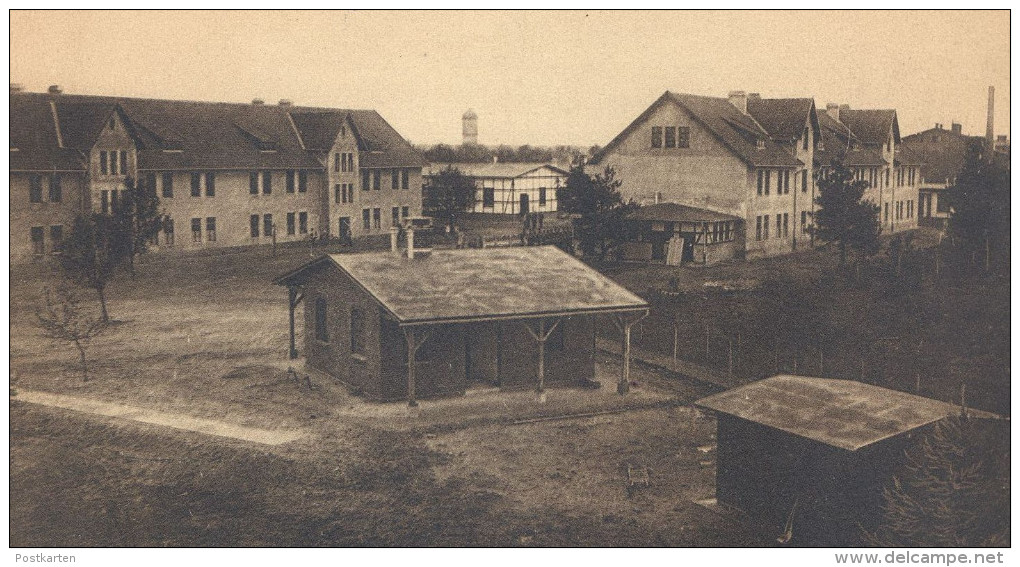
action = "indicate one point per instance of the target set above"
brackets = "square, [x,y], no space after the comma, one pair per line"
[760,143]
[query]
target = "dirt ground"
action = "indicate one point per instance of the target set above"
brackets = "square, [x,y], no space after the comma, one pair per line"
[462,472]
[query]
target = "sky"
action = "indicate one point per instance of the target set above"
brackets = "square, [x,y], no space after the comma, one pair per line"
[541,78]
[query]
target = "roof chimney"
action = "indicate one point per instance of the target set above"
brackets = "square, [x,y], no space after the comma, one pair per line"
[257,102]
[55,90]
[17,88]
[739,100]
[832,109]
[957,128]
[756,96]
[286,102]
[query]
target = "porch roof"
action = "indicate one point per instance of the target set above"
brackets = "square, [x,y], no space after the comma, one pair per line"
[478,284]
[675,212]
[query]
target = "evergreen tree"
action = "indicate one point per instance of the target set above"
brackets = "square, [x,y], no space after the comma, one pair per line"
[92,252]
[601,223]
[138,218]
[842,217]
[980,202]
[448,194]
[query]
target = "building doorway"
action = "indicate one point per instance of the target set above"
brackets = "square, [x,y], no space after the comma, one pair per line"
[524,204]
[345,230]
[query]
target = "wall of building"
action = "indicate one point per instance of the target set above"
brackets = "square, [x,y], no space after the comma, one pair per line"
[115,139]
[787,235]
[23,214]
[507,192]
[384,199]
[706,174]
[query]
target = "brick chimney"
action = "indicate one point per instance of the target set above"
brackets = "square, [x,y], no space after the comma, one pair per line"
[957,128]
[257,102]
[739,100]
[990,127]
[55,90]
[832,109]
[286,102]
[17,88]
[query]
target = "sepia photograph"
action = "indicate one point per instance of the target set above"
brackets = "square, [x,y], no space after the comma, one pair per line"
[735,281]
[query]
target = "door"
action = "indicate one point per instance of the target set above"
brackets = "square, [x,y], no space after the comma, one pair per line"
[345,229]
[524,204]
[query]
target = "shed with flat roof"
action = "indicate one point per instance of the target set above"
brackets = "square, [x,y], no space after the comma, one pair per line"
[509,317]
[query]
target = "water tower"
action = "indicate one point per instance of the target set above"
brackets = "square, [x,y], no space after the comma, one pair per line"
[470,120]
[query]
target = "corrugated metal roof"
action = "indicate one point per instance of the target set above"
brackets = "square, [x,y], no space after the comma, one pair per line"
[508,170]
[842,413]
[479,284]
[674,212]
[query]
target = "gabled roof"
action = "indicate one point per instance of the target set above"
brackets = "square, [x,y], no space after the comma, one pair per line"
[673,212]
[871,126]
[490,170]
[380,144]
[906,156]
[783,118]
[478,284]
[175,134]
[835,147]
[841,413]
[735,130]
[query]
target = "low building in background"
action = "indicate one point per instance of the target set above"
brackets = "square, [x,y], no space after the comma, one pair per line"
[943,152]
[674,234]
[509,188]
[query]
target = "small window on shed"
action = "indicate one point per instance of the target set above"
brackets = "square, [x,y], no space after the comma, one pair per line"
[321,327]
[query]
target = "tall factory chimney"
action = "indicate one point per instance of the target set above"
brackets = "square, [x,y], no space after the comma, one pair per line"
[990,128]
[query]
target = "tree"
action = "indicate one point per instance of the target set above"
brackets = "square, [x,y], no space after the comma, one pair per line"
[448,194]
[138,219]
[64,318]
[842,217]
[980,201]
[601,224]
[92,252]
[954,491]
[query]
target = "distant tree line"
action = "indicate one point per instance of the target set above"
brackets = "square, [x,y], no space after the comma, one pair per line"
[477,153]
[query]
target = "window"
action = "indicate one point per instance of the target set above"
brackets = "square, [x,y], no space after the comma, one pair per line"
[779,225]
[656,137]
[302,182]
[267,225]
[364,181]
[396,216]
[786,225]
[803,222]
[366,218]
[886,212]
[113,163]
[395,179]
[321,329]
[253,183]
[803,181]
[254,222]
[103,167]
[761,182]
[377,180]
[56,237]
[168,185]
[887,177]
[757,228]
[196,230]
[541,196]
[765,227]
[488,197]
[337,196]
[104,202]
[768,183]
[670,137]
[404,176]
[290,180]
[786,182]
[376,218]
[350,192]
[210,229]
[350,162]
[123,162]
[290,224]
[303,222]
[168,231]
[684,138]
[357,331]
[37,234]
[210,184]
[336,162]
[267,182]
[35,189]
[196,184]
[404,212]
[805,141]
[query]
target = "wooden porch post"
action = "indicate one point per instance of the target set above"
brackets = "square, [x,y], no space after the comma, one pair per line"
[624,325]
[414,342]
[540,337]
[293,299]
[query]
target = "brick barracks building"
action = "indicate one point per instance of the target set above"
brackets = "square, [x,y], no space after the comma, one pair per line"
[227,174]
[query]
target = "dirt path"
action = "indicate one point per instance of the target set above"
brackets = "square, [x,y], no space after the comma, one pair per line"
[175,420]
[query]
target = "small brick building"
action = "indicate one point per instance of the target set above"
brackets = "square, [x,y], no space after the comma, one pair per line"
[509,317]
[811,456]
